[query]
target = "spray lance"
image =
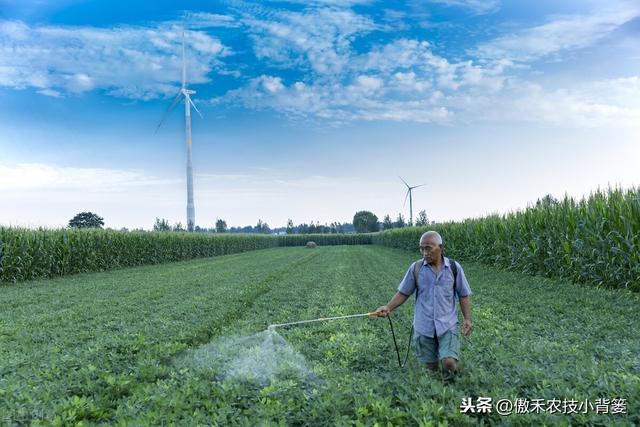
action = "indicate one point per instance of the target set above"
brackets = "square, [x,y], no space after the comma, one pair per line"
[272,328]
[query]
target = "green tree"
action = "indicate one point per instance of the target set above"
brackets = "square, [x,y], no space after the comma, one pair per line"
[161,225]
[365,221]
[547,200]
[400,222]
[422,218]
[262,227]
[86,220]
[178,227]
[289,226]
[386,223]
[221,225]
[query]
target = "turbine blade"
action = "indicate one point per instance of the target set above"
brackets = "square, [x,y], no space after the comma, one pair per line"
[405,183]
[171,107]
[184,65]
[418,186]
[405,197]
[195,108]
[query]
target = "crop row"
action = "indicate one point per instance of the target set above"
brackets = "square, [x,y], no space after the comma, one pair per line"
[30,254]
[595,240]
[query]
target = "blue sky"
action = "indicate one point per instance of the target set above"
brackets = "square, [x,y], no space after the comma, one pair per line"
[313,108]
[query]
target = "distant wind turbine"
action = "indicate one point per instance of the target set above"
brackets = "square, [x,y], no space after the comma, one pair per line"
[410,199]
[188,103]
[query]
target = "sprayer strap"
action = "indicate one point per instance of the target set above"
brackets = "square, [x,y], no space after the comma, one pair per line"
[418,265]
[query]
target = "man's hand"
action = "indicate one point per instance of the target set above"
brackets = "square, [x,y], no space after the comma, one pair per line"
[382,311]
[466,327]
[397,300]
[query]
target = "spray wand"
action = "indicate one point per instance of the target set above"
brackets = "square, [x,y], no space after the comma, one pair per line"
[321,319]
[273,327]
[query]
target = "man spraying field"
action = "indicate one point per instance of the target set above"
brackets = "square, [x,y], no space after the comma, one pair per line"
[437,281]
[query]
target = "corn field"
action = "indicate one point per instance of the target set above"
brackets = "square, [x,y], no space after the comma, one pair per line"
[325,239]
[30,254]
[595,240]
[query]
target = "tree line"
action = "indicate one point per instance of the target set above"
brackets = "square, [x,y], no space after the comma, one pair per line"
[367,222]
[363,222]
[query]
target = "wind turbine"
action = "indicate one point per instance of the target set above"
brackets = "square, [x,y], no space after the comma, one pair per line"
[188,103]
[410,199]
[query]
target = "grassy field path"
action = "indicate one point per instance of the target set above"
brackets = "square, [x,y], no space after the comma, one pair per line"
[101,348]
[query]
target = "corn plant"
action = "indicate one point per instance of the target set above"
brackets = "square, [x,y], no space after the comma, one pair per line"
[595,240]
[28,254]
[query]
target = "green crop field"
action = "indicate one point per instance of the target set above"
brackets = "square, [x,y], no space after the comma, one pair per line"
[143,346]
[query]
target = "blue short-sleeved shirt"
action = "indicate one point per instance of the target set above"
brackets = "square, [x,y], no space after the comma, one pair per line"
[436,304]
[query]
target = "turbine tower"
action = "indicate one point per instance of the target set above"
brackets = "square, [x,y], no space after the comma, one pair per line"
[410,199]
[188,103]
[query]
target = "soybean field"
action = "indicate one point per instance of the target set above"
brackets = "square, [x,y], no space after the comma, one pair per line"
[183,343]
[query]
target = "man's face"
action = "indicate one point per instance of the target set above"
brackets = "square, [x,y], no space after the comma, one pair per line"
[430,250]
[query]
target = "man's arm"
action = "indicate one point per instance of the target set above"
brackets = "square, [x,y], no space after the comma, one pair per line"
[398,299]
[465,306]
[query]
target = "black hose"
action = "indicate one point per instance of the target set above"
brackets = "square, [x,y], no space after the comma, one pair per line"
[395,343]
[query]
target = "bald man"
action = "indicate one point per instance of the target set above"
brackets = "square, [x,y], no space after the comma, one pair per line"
[435,319]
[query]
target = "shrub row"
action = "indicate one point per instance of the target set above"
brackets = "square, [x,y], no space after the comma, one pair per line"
[595,240]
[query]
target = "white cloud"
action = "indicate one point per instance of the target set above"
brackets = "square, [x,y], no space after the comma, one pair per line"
[397,54]
[50,92]
[391,81]
[404,80]
[364,98]
[315,70]
[45,177]
[38,176]
[586,105]
[334,3]
[79,82]
[126,61]
[559,34]
[479,7]
[368,84]
[480,95]
[317,39]
[208,20]
[272,84]
[408,82]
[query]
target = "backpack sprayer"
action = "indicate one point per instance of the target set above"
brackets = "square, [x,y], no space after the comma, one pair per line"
[272,328]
